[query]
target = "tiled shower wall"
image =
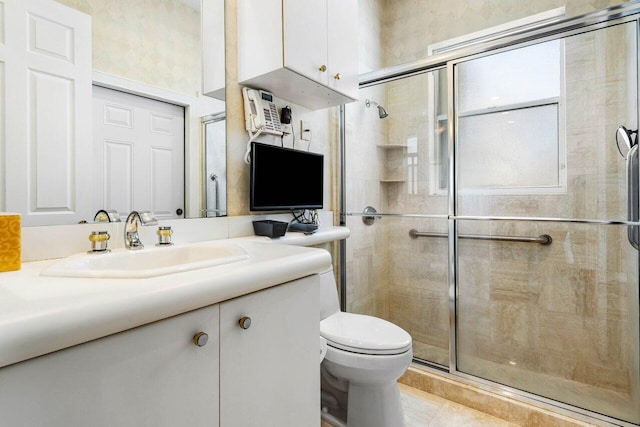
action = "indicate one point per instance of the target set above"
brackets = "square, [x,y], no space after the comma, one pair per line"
[558,320]
[391,33]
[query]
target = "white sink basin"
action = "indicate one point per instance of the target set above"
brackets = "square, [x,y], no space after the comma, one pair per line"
[148,262]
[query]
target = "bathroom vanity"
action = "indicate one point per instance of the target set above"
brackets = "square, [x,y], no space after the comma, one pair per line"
[133,352]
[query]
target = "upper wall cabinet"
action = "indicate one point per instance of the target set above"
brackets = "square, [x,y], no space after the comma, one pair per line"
[213,50]
[304,51]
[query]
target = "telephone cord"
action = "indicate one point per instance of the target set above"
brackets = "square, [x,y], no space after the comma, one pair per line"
[247,154]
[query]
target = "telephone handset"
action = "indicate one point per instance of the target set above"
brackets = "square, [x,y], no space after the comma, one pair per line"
[260,113]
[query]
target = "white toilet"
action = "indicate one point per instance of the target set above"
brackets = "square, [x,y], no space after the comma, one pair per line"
[365,357]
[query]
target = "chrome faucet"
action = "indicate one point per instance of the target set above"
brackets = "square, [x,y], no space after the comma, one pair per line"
[134,220]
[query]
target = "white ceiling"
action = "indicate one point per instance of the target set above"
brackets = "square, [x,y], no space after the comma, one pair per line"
[193,4]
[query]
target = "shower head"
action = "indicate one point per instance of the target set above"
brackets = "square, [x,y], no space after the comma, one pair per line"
[382,113]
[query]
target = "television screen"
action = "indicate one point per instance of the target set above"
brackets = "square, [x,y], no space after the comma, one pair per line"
[282,178]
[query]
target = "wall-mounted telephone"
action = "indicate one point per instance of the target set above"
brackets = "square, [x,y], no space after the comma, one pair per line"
[260,113]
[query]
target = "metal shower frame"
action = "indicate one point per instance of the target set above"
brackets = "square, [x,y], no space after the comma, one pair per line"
[624,13]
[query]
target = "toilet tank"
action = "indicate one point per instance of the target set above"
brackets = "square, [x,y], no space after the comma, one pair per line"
[329,302]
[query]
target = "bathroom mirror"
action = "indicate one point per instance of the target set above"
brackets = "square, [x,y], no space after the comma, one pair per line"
[159,44]
[215,165]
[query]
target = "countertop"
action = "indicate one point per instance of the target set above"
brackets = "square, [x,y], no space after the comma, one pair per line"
[39,315]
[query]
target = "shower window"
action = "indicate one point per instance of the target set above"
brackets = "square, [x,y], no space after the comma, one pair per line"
[510,122]
[439,151]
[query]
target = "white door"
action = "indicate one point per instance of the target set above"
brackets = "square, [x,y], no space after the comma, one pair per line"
[45,63]
[138,146]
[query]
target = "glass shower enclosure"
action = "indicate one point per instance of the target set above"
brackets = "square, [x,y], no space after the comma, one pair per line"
[503,238]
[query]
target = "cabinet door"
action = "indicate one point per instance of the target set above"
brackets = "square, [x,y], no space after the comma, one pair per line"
[343,46]
[305,38]
[213,48]
[149,376]
[270,372]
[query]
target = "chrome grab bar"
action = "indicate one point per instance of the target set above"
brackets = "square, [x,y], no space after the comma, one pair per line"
[543,239]
[633,233]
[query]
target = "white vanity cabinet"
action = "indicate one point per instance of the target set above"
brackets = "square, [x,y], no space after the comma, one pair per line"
[270,371]
[304,51]
[154,375]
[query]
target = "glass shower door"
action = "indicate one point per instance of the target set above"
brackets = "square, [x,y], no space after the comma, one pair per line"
[397,164]
[536,156]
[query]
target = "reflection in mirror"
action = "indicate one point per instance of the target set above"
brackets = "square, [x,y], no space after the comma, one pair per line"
[138,154]
[149,45]
[107,216]
[215,165]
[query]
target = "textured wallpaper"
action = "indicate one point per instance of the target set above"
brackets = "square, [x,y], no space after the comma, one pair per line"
[411,26]
[152,41]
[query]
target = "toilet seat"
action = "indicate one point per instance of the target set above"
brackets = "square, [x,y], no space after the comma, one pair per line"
[358,333]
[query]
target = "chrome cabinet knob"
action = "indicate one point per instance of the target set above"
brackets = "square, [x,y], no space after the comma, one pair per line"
[245,322]
[323,68]
[200,339]
[337,76]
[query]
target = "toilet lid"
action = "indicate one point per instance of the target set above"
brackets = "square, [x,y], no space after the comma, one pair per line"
[364,334]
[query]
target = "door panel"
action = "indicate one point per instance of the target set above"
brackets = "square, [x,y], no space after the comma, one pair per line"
[48,79]
[305,40]
[118,164]
[271,374]
[139,150]
[342,39]
[557,320]
[391,164]
[150,376]
[51,143]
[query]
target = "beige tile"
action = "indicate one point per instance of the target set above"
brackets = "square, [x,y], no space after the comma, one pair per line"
[427,410]
[500,407]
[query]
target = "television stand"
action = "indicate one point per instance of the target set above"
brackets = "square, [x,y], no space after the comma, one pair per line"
[304,228]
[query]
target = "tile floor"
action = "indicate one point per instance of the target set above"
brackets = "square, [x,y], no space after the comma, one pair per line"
[422,409]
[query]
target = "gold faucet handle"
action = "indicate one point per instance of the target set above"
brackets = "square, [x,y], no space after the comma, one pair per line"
[164,236]
[98,241]
[99,236]
[164,231]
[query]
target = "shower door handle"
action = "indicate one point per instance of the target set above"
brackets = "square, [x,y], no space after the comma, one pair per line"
[633,232]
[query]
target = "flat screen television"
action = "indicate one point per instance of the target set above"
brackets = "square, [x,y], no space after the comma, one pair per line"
[285,179]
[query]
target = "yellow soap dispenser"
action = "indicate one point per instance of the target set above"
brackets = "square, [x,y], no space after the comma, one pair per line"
[9,241]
